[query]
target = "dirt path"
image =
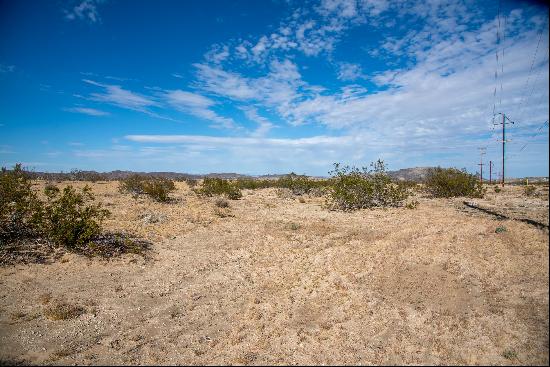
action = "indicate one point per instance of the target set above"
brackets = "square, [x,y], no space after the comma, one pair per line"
[284,282]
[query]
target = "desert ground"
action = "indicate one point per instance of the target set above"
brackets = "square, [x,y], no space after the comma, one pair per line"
[275,279]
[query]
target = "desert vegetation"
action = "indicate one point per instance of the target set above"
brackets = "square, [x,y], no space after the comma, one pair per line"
[67,218]
[243,270]
[452,182]
[221,187]
[353,188]
[157,188]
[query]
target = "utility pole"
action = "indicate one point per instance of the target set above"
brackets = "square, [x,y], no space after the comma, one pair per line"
[490,172]
[504,141]
[480,164]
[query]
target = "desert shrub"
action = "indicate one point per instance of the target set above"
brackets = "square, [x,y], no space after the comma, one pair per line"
[78,175]
[497,189]
[529,190]
[353,188]
[299,184]
[133,184]
[408,185]
[20,209]
[452,182]
[69,219]
[191,182]
[221,203]
[157,188]
[218,186]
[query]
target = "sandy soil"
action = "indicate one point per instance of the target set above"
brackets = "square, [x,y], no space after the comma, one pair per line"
[277,281]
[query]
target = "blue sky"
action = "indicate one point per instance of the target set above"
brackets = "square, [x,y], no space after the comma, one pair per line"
[263,87]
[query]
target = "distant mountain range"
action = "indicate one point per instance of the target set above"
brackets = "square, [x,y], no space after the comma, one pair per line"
[417,174]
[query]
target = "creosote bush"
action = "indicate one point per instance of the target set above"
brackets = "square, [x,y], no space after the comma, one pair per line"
[353,188]
[67,218]
[157,188]
[218,186]
[20,209]
[133,184]
[70,219]
[452,182]
[300,184]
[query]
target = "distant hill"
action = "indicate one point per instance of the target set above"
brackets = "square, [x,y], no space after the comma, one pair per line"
[417,174]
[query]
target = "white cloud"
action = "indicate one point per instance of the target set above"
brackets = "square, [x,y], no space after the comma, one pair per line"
[264,125]
[199,106]
[239,141]
[85,10]
[349,71]
[87,111]
[7,68]
[116,95]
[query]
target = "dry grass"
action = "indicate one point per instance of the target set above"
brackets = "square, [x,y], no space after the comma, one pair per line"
[61,310]
[285,282]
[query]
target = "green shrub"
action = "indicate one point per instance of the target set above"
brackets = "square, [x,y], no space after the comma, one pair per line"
[69,219]
[133,184]
[298,184]
[352,188]
[20,208]
[452,182]
[218,186]
[157,188]
[497,189]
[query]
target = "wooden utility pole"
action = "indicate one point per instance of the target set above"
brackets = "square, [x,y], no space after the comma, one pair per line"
[480,164]
[503,123]
[490,172]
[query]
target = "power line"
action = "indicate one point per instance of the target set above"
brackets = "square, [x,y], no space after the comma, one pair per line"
[531,68]
[534,84]
[545,123]
[497,62]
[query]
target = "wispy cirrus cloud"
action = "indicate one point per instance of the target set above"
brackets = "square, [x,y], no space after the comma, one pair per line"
[118,96]
[198,105]
[7,68]
[349,72]
[85,10]
[87,111]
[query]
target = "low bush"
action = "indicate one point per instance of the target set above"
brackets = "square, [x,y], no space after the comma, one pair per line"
[32,230]
[221,203]
[353,188]
[218,186]
[529,190]
[133,184]
[20,209]
[299,184]
[253,184]
[157,188]
[452,182]
[69,218]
